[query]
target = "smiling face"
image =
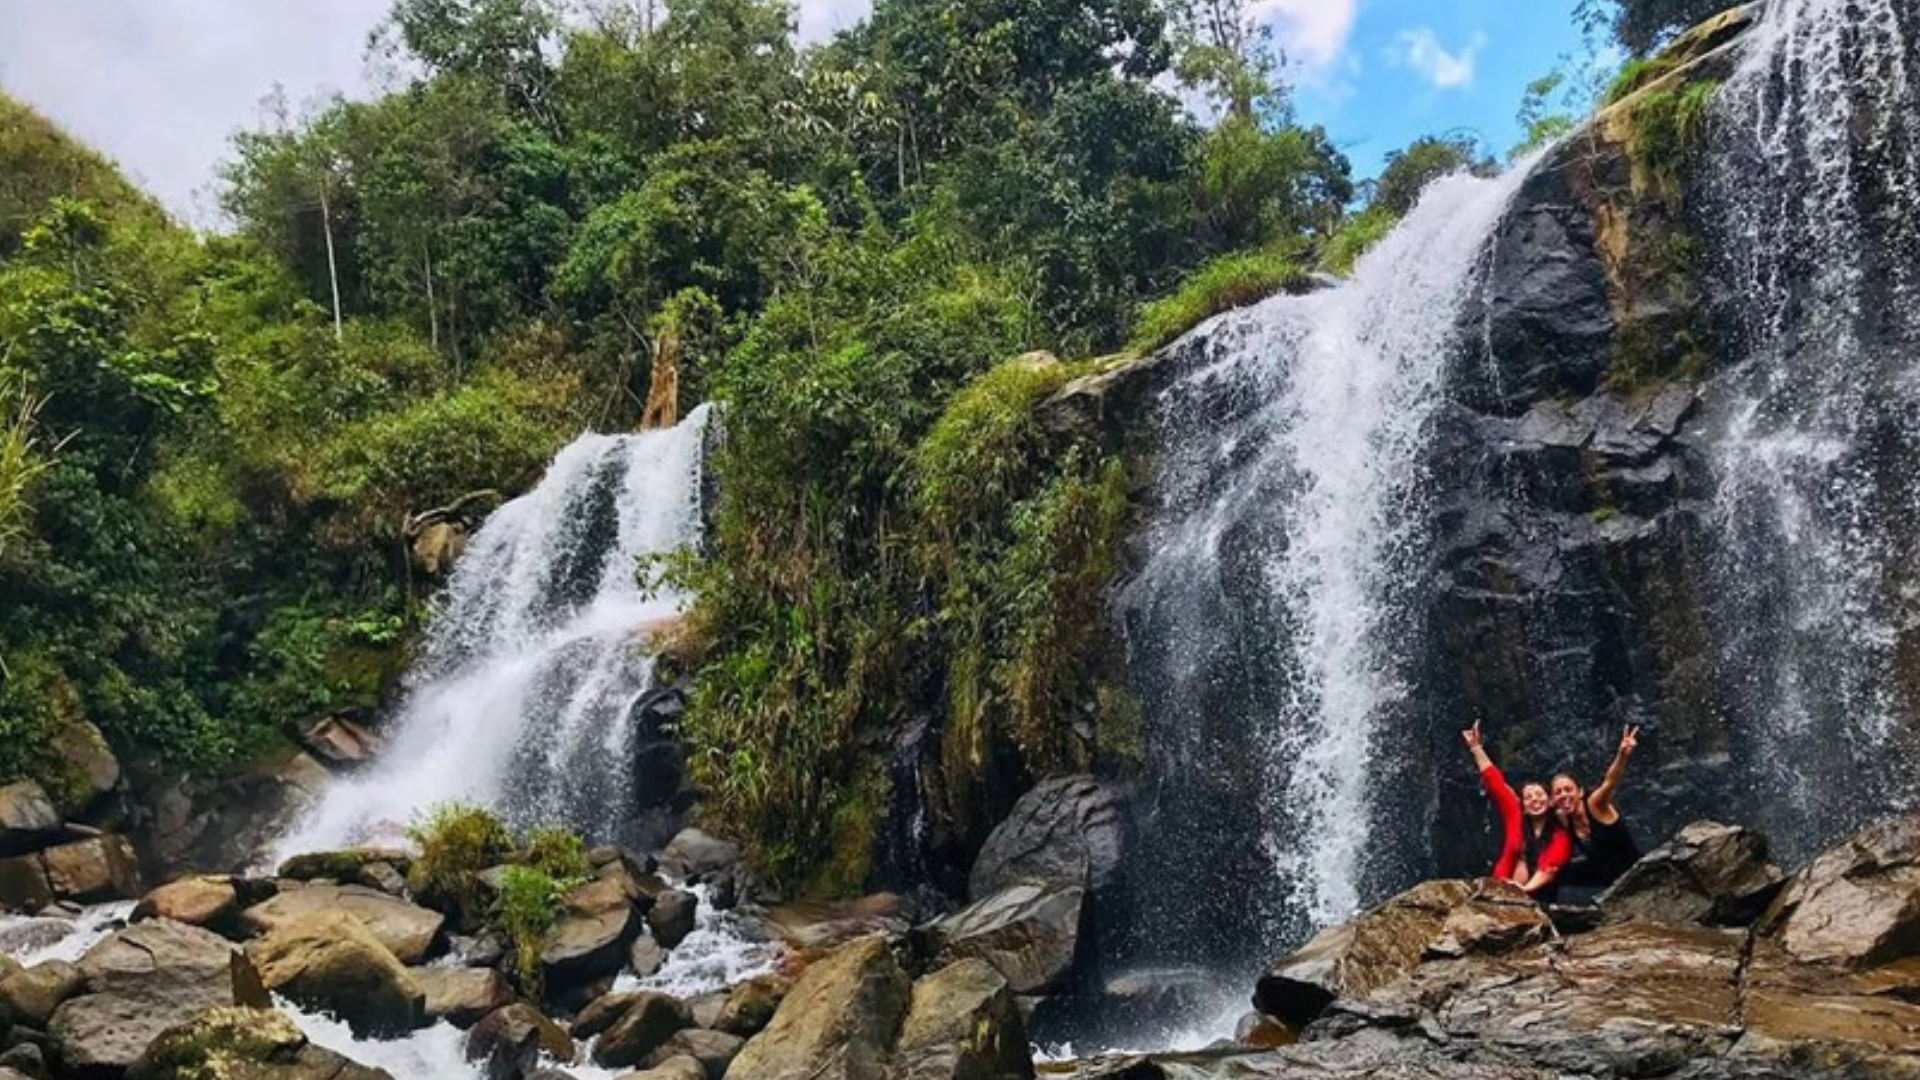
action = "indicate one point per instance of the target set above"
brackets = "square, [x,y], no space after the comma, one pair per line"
[1567,795]
[1535,800]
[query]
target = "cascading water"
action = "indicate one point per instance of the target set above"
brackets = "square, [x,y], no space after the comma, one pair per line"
[1816,202]
[533,662]
[1272,624]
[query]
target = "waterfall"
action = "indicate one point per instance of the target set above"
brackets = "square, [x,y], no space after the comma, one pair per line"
[1816,198]
[535,655]
[1274,619]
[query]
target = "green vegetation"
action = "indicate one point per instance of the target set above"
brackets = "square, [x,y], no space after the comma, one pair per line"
[457,841]
[1228,282]
[1355,238]
[1664,127]
[1642,26]
[21,458]
[528,906]
[557,853]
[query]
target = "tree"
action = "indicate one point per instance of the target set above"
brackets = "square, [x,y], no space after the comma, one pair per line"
[1425,160]
[499,43]
[1227,52]
[1640,26]
[1539,117]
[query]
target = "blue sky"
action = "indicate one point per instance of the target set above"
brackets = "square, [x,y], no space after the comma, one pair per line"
[1381,73]
[161,85]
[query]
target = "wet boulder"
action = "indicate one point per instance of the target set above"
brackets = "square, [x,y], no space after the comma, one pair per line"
[331,961]
[1442,918]
[461,996]
[645,1023]
[839,1023]
[139,983]
[713,1050]
[516,1033]
[97,868]
[196,901]
[28,819]
[340,866]
[409,931]
[90,768]
[1068,832]
[244,1044]
[693,854]
[1857,904]
[23,884]
[679,1068]
[590,939]
[750,1006]
[962,1023]
[1709,873]
[28,996]
[673,917]
[1030,933]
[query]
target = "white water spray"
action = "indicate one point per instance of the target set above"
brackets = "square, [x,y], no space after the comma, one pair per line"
[537,653]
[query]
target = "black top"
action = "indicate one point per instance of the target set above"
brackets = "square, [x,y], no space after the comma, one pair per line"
[1600,857]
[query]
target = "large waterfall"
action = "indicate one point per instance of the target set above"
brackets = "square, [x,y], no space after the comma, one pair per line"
[1816,195]
[536,655]
[1272,624]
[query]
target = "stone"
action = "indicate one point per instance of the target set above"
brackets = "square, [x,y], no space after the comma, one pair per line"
[461,996]
[99,868]
[382,876]
[23,884]
[24,1062]
[1445,918]
[589,939]
[601,1012]
[340,742]
[1068,832]
[1259,1031]
[962,1023]
[645,957]
[27,818]
[140,982]
[1857,904]
[644,1025]
[706,1009]
[510,1032]
[839,1023]
[438,546]
[750,1006]
[713,1050]
[195,901]
[483,950]
[680,1068]
[1029,933]
[29,996]
[1709,873]
[692,854]
[89,766]
[673,917]
[811,926]
[244,1044]
[341,866]
[331,961]
[407,930]
[1788,1003]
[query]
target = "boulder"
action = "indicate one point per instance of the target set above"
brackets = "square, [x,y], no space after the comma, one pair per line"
[27,818]
[25,1061]
[673,917]
[244,1044]
[140,982]
[693,854]
[680,1068]
[23,884]
[1709,873]
[706,1009]
[340,742]
[962,1023]
[461,996]
[1788,1003]
[506,1033]
[644,1025]
[1857,903]
[750,1006]
[196,901]
[407,930]
[1029,933]
[589,939]
[1259,1031]
[601,1012]
[645,957]
[810,926]
[29,996]
[1067,832]
[89,766]
[839,1023]
[1440,918]
[714,1050]
[383,876]
[98,868]
[331,961]
[341,866]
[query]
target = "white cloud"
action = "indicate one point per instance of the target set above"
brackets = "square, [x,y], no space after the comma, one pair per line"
[1314,33]
[1420,49]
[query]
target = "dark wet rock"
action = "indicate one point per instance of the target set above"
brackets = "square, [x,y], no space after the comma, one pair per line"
[1068,832]
[26,1060]
[28,818]
[839,1022]
[29,996]
[714,1050]
[750,1006]
[89,767]
[645,957]
[1708,873]
[461,996]
[1258,1031]
[600,1013]
[331,961]
[644,1025]
[340,867]
[516,1033]
[1439,918]
[597,923]
[673,917]
[183,824]
[1029,933]
[680,1068]
[482,950]
[693,854]
[383,876]
[340,742]
[409,931]
[962,1022]
[95,869]
[244,1044]
[197,901]
[811,926]
[1858,903]
[23,884]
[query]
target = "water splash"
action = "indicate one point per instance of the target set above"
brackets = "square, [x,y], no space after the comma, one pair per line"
[1817,201]
[37,939]
[1273,617]
[536,654]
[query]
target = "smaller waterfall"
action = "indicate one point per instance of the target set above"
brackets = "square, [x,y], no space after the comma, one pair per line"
[1816,200]
[535,656]
[1273,621]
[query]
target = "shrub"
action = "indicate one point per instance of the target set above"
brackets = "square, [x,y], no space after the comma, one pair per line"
[528,906]
[457,841]
[1664,127]
[1222,285]
[558,854]
[1355,238]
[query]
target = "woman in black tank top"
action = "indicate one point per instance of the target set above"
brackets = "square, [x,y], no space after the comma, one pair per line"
[1604,847]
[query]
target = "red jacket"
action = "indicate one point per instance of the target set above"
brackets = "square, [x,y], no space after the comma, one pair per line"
[1513,824]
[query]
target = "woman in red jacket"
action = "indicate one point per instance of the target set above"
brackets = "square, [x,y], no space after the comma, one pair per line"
[1534,847]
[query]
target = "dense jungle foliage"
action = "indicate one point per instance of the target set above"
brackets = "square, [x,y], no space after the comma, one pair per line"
[210,446]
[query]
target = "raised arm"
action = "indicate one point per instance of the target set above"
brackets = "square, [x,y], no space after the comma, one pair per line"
[1480,759]
[1600,802]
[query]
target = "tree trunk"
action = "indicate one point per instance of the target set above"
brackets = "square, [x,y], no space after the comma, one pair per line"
[663,386]
[333,269]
